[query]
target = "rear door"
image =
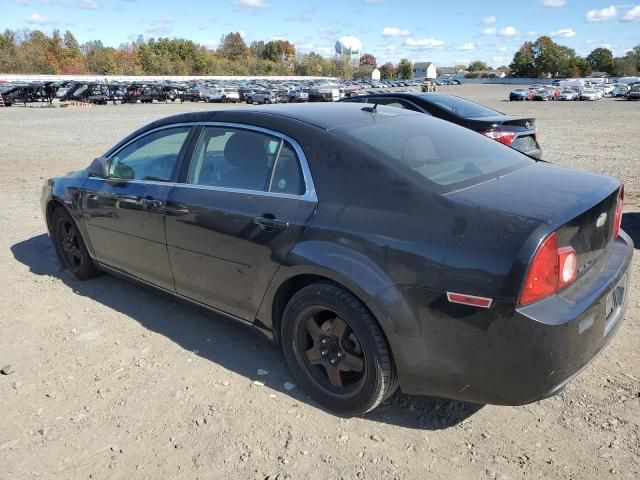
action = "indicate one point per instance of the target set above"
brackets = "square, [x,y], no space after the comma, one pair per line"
[243,201]
[124,213]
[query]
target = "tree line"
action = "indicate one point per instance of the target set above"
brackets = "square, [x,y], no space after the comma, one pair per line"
[544,58]
[35,52]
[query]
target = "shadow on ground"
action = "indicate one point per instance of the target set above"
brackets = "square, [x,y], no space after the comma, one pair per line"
[234,346]
[631,225]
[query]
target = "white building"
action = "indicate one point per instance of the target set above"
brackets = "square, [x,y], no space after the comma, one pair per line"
[424,70]
[375,75]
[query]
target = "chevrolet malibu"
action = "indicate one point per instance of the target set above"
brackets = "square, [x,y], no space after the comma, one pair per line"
[380,248]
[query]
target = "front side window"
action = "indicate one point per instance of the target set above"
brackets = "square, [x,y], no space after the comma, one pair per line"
[245,160]
[152,157]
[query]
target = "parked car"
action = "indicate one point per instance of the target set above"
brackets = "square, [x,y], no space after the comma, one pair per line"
[620,90]
[452,267]
[634,92]
[262,96]
[519,94]
[513,131]
[589,94]
[568,94]
[542,94]
[297,96]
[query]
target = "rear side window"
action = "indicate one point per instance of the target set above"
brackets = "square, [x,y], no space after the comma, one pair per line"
[460,107]
[245,160]
[442,155]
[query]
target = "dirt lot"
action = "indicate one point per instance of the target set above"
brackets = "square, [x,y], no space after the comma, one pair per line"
[115,381]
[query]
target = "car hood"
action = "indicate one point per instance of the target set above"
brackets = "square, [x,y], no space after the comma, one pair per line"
[541,191]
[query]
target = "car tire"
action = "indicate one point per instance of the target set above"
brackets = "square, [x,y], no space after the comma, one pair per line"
[70,248]
[249,101]
[336,350]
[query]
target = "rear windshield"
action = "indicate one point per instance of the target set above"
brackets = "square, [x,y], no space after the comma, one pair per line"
[442,156]
[460,107]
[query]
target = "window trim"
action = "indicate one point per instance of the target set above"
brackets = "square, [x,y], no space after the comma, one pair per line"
[309,194]
[309,190]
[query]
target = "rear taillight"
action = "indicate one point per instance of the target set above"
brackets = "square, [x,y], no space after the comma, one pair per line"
[552,269]
[618,219]
[501,136]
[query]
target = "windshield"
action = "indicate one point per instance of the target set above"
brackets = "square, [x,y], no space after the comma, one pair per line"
[459,106]
[447,156]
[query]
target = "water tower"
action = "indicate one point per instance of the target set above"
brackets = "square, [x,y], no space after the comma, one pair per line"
[350,46]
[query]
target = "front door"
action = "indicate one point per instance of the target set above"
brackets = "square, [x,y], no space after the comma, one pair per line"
[124,213]
[243,204]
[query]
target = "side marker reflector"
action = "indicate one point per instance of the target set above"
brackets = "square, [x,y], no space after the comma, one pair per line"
[471,300]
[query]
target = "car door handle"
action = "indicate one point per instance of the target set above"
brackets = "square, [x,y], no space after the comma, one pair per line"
[269,223]
[150,203]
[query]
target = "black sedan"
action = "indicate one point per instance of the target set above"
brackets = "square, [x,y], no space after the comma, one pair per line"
[379,247]
[513,131]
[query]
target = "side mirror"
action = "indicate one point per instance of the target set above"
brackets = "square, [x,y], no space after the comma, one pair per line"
[99,167]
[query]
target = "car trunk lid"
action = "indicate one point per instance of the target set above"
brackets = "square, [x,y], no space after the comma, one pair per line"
[580,206]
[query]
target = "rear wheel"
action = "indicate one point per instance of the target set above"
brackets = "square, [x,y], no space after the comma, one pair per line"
[250,100]
[70,247]
[336,350]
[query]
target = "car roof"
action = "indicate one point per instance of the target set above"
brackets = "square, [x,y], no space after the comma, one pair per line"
[324,115]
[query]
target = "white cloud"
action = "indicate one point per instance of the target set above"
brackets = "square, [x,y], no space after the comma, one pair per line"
[489,20]
[88,5]
[251,4]
[423,43]
[499,60]
[395,32]
[489,31]
[23,3]
[161,26]
[508,32]
[466,47]
[372,1]
[37,19]
[554,3]
[602,14]
[632,15]
[564,32]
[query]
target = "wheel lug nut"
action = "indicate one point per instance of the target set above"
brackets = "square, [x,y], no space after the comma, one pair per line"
[325,340]
[333,361]
[339,354]
[324,352]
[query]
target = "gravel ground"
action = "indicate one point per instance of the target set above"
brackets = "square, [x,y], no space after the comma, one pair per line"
[110,380]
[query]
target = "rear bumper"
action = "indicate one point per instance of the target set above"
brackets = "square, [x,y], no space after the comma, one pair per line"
[507,355]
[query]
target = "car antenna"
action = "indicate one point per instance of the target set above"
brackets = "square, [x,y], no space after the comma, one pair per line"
[373,109]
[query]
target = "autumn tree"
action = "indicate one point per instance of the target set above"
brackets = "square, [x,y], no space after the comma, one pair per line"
[387,71]
[232,47]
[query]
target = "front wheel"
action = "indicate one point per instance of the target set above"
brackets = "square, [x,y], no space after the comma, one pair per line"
[336,350]
[70,247]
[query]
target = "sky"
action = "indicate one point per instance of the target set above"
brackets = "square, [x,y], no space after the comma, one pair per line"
[445,32]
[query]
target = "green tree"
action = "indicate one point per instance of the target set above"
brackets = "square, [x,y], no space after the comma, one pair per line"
[478,66]
[523,61]
[601,60]
[405,69]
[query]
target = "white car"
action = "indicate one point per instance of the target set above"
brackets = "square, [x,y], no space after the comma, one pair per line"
[589,94]
[223,95]
[620,90]
[608,88]
[568,94]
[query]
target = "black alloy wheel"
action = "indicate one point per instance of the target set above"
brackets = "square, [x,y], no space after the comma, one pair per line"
[70,247]
[336,350]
